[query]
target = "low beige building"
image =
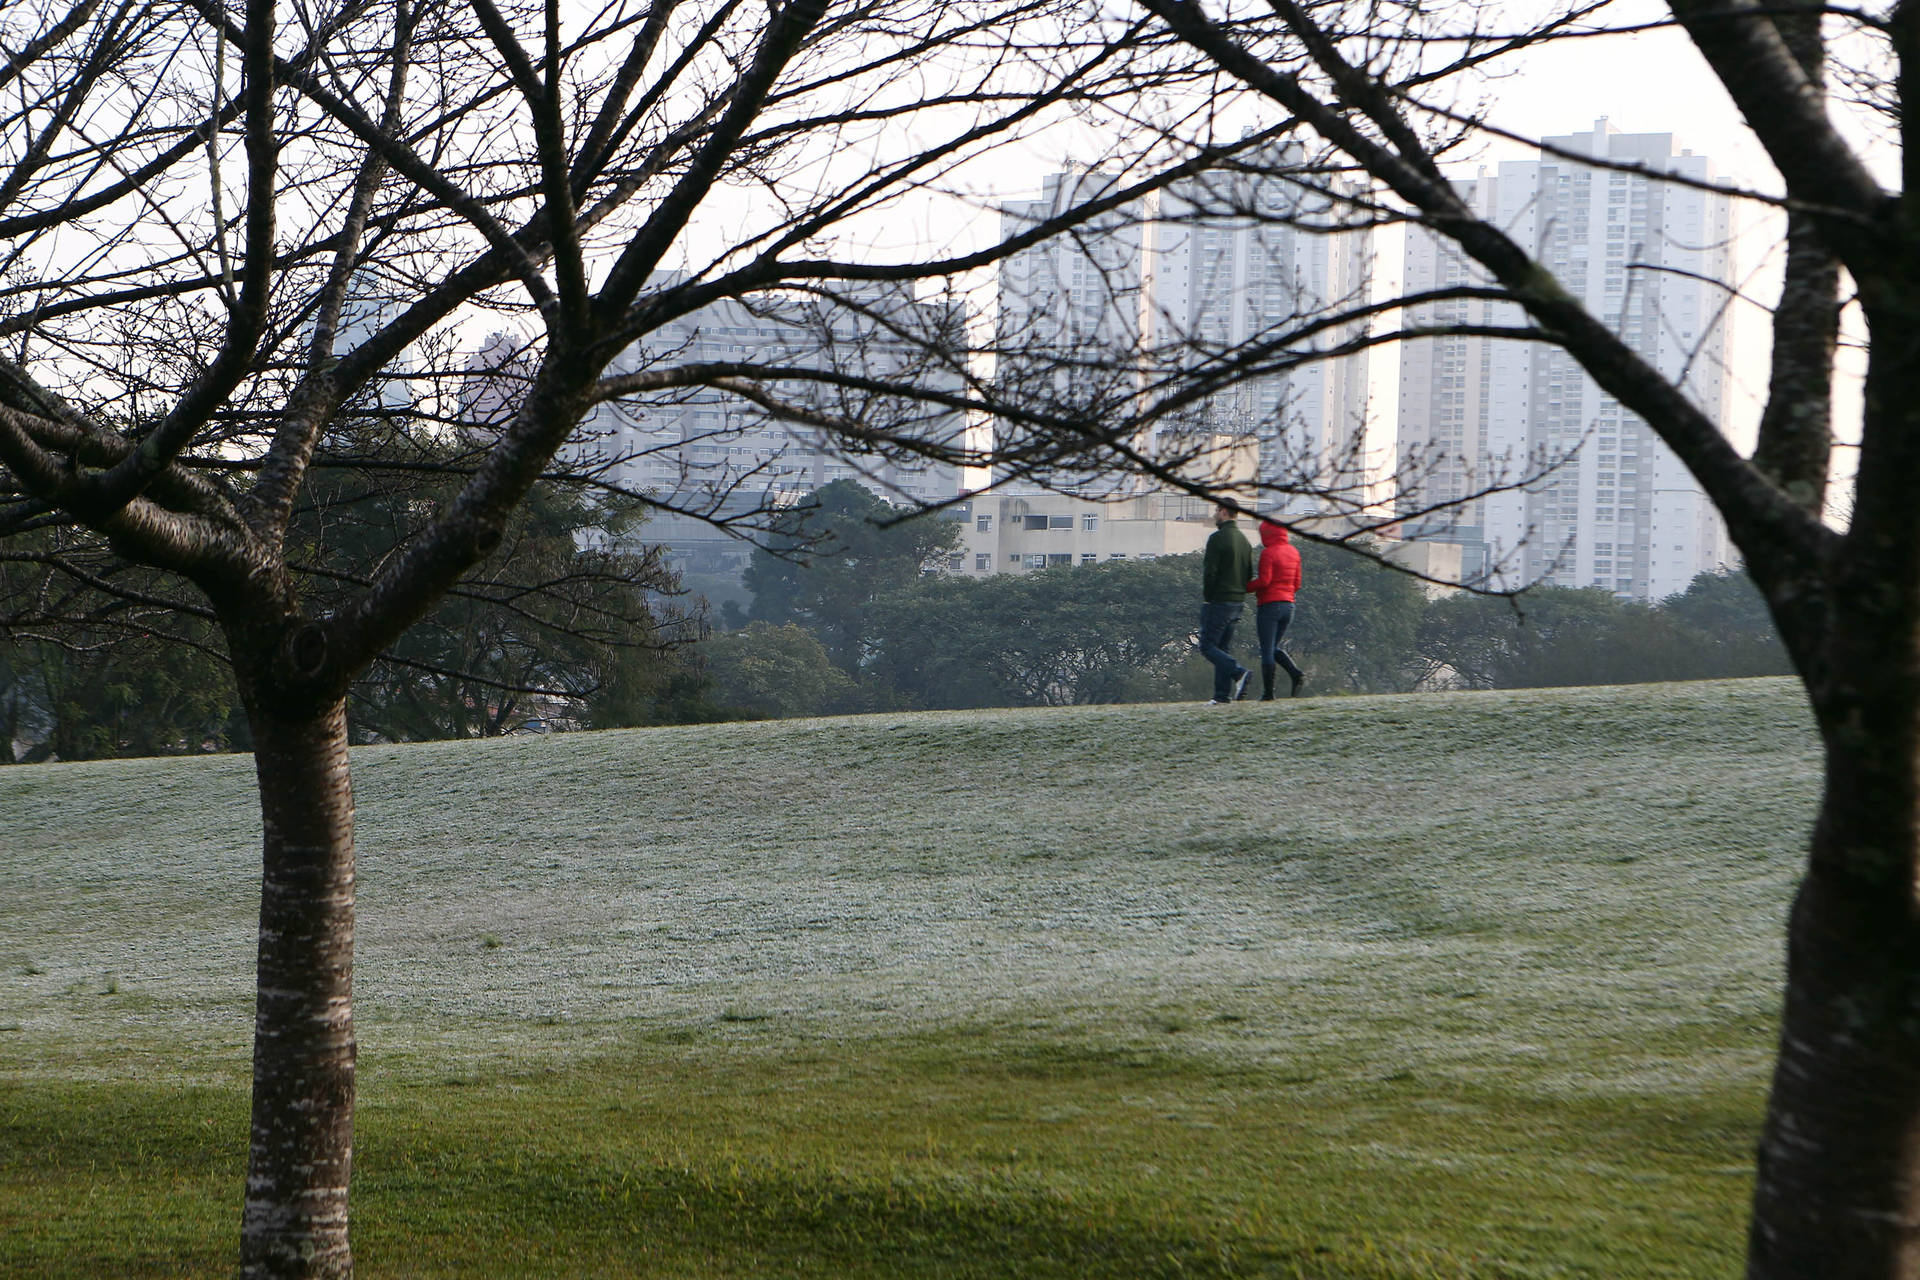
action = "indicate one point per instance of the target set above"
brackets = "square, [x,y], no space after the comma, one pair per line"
[1018,533]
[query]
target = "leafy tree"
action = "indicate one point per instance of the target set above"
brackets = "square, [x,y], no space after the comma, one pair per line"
[777,672]
[133,698]
[1547,637]
[89,674]
[1105,631]
[1355,625]
[21,710]
[560,616]
[549,627]
[833,555]
[938,642]
[70,701]
[674,687]
[1073,634]
[1728,620]
[1560,636]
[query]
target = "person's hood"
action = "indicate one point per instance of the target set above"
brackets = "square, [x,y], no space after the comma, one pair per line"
[1274,535]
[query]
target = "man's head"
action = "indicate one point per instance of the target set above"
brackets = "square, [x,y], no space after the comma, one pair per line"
[1223,515]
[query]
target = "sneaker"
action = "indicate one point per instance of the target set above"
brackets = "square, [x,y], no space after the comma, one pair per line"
[1297,682]
[1240,683]
[1215,702]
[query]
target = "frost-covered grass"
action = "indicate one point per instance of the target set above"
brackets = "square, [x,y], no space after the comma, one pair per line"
[1443,985]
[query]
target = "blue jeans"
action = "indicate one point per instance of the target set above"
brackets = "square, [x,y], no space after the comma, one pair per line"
[1216,633]
[1270,624]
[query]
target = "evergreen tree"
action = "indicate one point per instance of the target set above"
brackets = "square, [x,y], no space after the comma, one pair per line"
[834,555]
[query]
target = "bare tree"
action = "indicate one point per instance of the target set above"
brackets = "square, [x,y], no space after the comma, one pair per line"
[1838,1191]
[223,236]
[228,229]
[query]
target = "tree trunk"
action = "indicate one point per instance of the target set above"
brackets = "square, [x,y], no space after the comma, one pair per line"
[295,1222]
[1838,1191]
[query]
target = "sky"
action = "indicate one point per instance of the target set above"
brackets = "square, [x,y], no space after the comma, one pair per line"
[1656,82]
[1644,82]
[1649,82]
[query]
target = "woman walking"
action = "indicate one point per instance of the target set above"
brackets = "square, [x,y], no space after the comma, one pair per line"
[1274,588]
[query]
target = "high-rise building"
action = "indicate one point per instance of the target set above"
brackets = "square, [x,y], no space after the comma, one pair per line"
[711,456]
[1094,320]
[1237,261]
[371,303]
[1552,479]
[1067,332]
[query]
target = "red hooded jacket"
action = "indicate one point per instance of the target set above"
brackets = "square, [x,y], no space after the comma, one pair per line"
[1279,565]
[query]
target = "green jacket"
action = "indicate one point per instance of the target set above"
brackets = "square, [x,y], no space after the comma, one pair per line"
[1229,566]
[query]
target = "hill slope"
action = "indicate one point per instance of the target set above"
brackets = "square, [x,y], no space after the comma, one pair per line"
[1582,857]
[1565,899]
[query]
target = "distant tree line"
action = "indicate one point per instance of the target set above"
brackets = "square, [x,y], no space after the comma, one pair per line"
[849,614]
[1717,628]
[555,630]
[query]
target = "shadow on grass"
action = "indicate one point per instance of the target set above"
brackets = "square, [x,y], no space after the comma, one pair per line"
[132,1180]
[764,1221]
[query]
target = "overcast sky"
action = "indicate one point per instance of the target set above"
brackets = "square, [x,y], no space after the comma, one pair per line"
[1645,82]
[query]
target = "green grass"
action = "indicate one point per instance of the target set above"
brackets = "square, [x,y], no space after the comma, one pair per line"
[1387,987]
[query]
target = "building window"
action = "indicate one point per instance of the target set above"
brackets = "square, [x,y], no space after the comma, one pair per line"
[1060,558]
[1059,522]
[1088,557]
[983,562]
[1035,522]
[1036,562]
[1013,557]
[1089,522]
[984,524]
[1118,555]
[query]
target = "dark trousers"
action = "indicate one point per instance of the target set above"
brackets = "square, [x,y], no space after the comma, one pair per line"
[1216,633]
[1270,624]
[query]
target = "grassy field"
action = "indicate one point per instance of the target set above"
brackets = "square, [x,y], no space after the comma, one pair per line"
[1445,985]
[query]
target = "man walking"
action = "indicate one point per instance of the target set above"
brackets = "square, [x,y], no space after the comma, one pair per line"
[1227,566]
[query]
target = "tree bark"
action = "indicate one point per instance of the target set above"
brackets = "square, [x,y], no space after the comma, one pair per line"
[295,1221]
[1838,1188]
[1838,1191]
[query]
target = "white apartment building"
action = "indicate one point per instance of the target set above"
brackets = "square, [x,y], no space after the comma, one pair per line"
[1606,503]
[1233,260]
[706,450]
[1090,321]
[370,305]
[1067,330]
